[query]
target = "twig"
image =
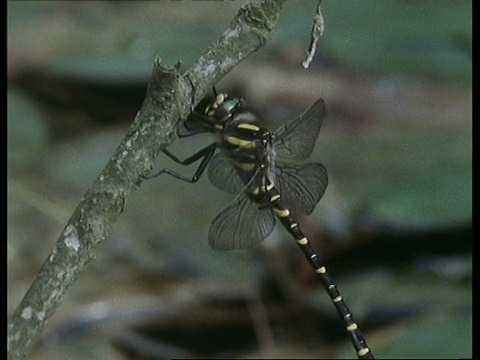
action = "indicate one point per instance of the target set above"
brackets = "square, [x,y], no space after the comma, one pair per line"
[317,31]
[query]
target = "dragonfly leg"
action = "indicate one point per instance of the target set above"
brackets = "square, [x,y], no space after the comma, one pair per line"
[183,131]
[205,154]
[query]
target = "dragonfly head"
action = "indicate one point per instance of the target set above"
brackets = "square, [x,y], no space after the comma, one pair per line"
[223,108]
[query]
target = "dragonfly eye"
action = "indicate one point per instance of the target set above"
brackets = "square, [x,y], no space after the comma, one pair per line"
[222,110]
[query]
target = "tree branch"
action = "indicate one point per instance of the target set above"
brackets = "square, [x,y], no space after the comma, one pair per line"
[167,102]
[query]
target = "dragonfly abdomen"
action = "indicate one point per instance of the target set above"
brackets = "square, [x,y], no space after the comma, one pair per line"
[287,218]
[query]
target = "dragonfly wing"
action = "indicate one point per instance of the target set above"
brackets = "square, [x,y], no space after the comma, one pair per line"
[301,186]
[296,139]
[240,224]
[223,175]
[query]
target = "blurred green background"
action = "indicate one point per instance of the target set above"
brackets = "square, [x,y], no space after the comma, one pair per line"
[394,225]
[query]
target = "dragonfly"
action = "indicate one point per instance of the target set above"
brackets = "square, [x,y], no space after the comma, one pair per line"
[267,173]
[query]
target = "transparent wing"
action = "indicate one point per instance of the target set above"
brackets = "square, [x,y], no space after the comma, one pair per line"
[301,186]
[296,139]
[223,175]
[240,224]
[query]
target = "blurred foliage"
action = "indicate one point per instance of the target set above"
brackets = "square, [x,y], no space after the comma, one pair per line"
[419,39]
[417,178]
[394,224]
[27,129]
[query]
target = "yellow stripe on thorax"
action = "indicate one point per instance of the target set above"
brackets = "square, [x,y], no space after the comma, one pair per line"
[246,144]
[248,126]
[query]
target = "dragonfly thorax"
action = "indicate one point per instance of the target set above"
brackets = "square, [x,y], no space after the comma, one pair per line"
[246,143]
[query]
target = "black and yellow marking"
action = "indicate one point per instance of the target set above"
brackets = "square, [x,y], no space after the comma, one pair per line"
[212,108]
[286,218]
[242,143]
[249,126]
[281,213]
[356,336]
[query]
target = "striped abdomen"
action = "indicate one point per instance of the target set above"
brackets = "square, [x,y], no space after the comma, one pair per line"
[268,195]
